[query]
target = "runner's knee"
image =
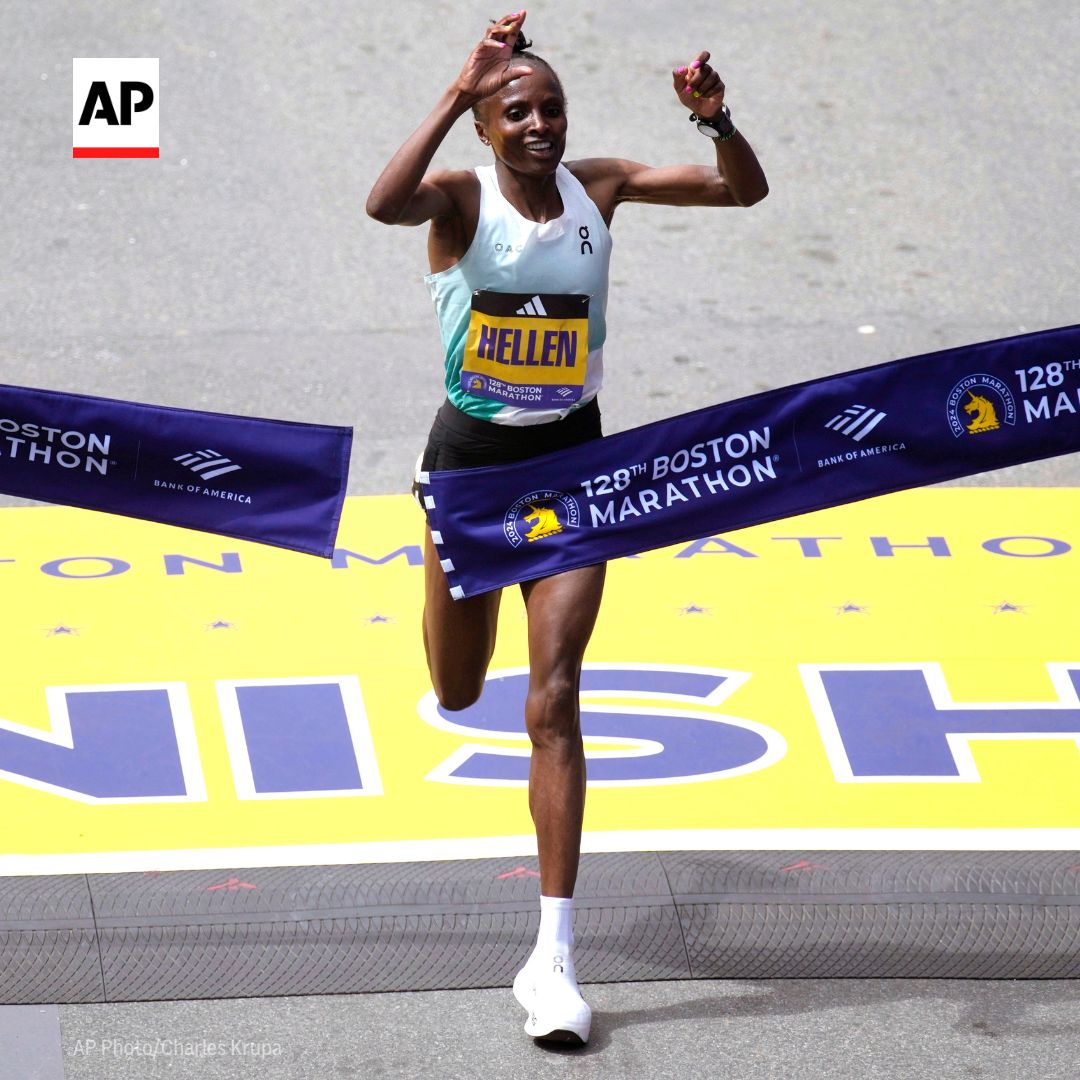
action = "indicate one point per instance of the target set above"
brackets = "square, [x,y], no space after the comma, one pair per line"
[458,657]
[457,692]
[551,712]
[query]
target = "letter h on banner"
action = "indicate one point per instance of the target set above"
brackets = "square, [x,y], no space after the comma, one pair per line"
[898,722]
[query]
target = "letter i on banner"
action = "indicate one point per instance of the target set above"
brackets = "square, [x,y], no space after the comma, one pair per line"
[114,107]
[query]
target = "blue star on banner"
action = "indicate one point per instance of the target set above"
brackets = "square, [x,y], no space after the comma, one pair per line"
[1005,608]
[852,609]
[373,619]
[62,631]
[220,624]
[694,609]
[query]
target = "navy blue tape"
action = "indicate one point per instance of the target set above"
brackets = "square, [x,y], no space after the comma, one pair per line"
[272,481]
[789,451]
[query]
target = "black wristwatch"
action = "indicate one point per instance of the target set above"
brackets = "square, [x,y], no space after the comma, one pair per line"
[717,127]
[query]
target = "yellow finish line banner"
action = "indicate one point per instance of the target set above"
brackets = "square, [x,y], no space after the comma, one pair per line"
[902,672]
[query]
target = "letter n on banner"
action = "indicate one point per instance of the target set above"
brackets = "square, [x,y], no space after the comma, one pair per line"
[125,743]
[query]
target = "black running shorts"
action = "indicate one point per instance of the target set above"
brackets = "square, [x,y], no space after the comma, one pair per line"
[460,441]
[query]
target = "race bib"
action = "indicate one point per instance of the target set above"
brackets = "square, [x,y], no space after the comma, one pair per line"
[529,351]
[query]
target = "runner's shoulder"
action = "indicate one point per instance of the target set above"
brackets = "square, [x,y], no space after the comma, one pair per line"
[460,186]
[603,180]
[598,170]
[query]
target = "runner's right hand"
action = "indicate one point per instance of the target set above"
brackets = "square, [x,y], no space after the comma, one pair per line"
[491,64]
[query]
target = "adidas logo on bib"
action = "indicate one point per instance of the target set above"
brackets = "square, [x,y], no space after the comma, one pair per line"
[533,307]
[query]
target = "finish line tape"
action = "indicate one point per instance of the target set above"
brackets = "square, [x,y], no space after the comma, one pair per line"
[817,444]
[272,481]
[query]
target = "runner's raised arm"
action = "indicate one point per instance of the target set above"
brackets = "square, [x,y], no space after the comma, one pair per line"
[402,195]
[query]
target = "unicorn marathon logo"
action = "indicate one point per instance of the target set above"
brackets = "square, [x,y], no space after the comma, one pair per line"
[985,414]
[539,516]
[979,404]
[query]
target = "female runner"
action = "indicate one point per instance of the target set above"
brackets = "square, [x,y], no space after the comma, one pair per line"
[526,238]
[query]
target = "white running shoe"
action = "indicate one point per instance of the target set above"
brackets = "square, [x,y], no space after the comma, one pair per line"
[557,1012]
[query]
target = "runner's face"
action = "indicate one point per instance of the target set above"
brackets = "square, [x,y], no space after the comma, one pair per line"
[525,123]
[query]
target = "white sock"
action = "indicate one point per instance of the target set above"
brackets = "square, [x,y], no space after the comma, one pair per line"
[555,942]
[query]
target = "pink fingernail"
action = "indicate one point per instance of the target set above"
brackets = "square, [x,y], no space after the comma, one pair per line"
[680,71]
[696,64]
[688,89]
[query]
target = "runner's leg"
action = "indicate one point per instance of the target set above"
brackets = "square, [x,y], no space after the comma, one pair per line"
[459,635]
[562,611]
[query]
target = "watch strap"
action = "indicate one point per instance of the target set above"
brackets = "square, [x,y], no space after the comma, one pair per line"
[719,127]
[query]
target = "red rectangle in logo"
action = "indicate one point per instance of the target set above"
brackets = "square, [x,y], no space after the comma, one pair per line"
[115,151]
[115,107]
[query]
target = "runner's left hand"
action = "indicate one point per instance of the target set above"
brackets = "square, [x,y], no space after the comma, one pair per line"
[699,87]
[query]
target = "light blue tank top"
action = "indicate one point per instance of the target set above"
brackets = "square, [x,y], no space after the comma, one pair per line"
[512,254]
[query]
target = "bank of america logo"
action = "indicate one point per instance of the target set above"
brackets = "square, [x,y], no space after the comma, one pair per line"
[856,421]
[564,392]
[207,463]
[533,307]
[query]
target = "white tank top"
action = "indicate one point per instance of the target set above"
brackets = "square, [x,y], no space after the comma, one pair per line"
[512,254]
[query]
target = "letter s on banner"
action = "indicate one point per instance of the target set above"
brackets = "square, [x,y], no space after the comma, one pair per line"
[661,745]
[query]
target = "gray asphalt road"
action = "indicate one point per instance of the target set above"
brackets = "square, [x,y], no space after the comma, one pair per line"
[845,1030]
[924,159]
